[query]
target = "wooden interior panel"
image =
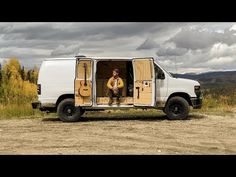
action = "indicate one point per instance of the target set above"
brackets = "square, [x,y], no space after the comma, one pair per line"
[80,69]
[100,87]
[143,80]
[145,94]
[81,100]
[105,69]
[143,69]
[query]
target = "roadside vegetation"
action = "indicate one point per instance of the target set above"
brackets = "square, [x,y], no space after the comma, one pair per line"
[18,89]
[218,100]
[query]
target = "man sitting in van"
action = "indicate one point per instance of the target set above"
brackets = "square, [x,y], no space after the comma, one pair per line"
[115,85]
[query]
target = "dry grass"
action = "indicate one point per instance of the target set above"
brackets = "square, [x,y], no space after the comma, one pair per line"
[19,111]
[212,105]
[216,104]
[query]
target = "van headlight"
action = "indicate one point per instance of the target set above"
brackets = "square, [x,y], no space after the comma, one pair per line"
[197,90]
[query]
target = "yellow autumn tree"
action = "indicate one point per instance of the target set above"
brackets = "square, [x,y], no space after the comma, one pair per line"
[14,88]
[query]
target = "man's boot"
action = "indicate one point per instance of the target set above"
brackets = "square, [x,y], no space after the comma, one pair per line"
[110,101]
[117,100]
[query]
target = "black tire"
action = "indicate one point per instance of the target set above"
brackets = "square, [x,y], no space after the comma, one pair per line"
[177,108]
[67,111]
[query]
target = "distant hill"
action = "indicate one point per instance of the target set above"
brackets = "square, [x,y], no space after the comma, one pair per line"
[217,78]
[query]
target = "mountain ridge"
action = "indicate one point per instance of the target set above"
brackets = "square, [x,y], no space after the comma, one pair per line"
[212,77]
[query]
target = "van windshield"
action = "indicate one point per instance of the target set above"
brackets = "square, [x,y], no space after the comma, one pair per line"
[158,64]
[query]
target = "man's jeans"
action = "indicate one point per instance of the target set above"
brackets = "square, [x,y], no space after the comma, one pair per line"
[111,93]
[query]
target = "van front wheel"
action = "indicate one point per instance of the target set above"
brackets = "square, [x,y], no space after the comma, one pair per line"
[177,108]
[67,111]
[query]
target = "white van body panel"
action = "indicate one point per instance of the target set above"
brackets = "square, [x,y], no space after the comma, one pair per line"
[170,85]
[181,85]
[161,87]
[161,90]
[56,77]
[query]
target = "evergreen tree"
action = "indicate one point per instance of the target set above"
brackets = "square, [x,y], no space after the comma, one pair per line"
[23,73]
[28,75]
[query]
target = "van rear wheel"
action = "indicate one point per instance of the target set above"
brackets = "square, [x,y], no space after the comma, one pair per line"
[177,108]
[67,111]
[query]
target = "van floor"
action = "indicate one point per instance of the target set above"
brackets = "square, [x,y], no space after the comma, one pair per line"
[123,100]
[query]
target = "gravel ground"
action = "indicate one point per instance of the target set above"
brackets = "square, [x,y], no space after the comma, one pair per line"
[201,134]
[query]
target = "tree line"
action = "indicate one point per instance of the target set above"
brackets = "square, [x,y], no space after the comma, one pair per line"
[17,84]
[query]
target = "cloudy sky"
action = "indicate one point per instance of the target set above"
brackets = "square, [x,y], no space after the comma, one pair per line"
[179,47]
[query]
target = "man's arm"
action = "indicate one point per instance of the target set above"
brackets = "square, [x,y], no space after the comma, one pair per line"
[121,83]
[109,83]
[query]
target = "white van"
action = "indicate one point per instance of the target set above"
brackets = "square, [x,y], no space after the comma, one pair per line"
[146,85]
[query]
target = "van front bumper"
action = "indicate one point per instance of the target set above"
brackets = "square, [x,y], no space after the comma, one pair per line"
[36,105]
[196,102]
[44,107]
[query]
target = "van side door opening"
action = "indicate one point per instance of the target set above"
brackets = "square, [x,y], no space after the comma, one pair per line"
[104,72]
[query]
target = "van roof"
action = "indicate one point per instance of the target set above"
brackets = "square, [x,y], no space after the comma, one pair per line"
[112,57]
[92,57]
[49,59]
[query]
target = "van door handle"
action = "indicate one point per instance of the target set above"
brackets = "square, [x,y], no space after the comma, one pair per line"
[138,92]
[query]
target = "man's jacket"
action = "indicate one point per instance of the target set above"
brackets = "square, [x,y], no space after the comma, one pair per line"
[111,82]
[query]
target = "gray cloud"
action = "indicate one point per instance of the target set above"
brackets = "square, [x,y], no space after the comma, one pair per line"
[197,39]
[171,51]
[62,31]
[148,44]
[66,50]
[194,46]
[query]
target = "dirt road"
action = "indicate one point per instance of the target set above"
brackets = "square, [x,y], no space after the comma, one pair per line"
[200,134]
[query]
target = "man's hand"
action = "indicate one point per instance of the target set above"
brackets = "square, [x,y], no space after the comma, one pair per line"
[115,90]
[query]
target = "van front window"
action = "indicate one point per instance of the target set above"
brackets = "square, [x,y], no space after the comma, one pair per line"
[160,67]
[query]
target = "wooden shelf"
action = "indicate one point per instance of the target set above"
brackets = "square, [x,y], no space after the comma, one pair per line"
[123,100]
